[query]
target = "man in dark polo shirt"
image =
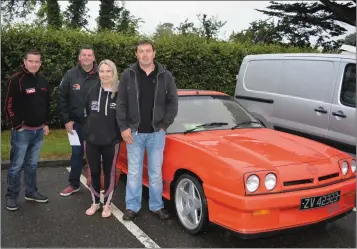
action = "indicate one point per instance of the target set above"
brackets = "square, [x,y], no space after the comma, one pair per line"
[147,105]
[146,99]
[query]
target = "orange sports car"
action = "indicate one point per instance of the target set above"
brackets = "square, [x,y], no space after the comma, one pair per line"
[222,166]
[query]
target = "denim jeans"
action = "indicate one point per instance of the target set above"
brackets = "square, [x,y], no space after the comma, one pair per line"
[25,153]
[154,143]
[76,158]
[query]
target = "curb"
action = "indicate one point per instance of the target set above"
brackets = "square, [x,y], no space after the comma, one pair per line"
[44,163]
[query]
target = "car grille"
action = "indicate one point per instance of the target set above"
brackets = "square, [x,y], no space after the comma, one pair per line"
[298,182]
[302,182]
[326,177]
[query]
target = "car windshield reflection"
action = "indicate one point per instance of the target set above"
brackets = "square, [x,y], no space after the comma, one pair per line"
[220,112]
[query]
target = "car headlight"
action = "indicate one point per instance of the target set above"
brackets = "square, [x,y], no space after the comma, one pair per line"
[270,181]
[353,166]
[252,183]
[344,167]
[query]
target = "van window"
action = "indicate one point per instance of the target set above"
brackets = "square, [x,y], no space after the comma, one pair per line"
[310,79]
[262,75]
[348,89]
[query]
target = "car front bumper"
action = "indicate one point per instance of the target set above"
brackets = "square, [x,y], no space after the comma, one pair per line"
[271,213]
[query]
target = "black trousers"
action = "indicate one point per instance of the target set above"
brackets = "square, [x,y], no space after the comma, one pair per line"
[97,157]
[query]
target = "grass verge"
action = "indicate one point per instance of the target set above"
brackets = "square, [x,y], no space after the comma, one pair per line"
[55,145]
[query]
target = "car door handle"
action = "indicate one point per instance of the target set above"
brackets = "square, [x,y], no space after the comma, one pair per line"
[339,114]
[320,109]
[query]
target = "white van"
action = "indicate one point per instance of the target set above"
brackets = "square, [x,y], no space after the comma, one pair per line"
[311,95]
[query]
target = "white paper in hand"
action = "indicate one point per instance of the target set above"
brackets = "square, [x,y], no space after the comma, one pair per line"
[73,138]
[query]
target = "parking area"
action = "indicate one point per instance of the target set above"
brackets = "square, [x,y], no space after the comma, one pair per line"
[63,223]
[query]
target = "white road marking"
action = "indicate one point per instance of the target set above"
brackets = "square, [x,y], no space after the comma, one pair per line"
[134,229]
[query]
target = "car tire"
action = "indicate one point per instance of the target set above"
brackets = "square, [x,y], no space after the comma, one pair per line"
[195,204]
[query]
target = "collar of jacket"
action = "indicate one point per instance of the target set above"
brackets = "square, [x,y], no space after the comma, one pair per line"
[24,69]
[93,71]
[135,67]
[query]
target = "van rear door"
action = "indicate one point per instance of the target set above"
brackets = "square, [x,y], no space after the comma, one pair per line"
[303,101]
[342,118]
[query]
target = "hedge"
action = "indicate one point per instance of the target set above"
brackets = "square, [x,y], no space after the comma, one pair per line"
[193,62]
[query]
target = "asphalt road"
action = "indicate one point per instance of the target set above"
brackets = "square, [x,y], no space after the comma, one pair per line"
[63,223]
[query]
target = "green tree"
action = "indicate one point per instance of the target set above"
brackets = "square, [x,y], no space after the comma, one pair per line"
[54,16]
[108,12]
[126,23]
[350,39]
[115,17]
[210,26]
[261,31]
[76,14]
[16,9]
[49,14]
[187,28]
[41,14]
[164,29]
[319,19]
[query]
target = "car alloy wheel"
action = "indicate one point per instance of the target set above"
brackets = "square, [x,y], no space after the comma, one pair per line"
[191,204]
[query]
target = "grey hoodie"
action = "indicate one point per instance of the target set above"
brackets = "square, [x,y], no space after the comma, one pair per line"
[165,102]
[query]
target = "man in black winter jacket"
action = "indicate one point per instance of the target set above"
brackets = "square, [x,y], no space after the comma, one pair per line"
[147,105]
[72,92]
[27,106]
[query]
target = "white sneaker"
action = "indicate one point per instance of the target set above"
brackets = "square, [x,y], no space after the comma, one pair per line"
[107,211]
[93,209]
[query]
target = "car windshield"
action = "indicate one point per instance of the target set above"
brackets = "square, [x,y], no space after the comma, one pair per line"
[199,113]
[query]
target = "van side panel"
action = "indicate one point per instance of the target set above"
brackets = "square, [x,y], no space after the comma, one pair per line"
[343,124]
[257,82]
[300,93]
[304,95]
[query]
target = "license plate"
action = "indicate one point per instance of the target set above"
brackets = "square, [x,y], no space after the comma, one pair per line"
[319,201]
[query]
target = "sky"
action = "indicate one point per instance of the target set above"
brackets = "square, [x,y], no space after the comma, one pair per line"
[238,14]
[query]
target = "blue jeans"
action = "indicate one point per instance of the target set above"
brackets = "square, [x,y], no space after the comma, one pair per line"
[76,158]
[25,153]
[154,143]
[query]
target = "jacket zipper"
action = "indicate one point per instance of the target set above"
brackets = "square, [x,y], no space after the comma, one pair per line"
[137,99]
[157,86]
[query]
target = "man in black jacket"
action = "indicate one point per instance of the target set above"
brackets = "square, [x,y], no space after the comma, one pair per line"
[147,105]
[72,92]
[27,106]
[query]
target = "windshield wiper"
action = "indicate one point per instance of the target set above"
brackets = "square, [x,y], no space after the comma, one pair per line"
[244,123]
[205,125]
